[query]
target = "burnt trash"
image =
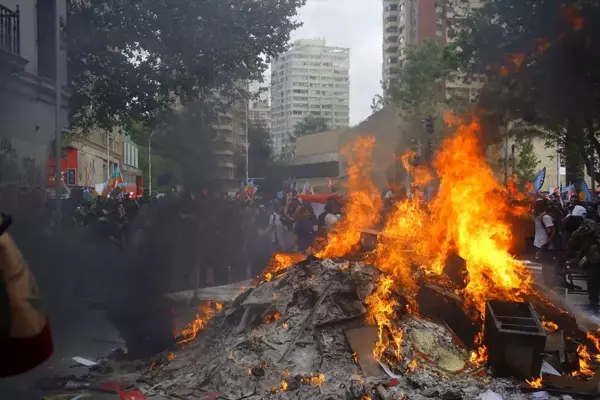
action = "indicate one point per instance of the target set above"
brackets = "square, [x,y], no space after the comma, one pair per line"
[447,308]
[515,339]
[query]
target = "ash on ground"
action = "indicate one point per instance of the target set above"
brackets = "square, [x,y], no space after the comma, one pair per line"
[288,339]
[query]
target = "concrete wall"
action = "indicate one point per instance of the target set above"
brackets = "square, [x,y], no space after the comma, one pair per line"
[27,108]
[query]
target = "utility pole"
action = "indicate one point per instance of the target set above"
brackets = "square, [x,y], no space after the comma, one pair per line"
[107,157]
[57,127]
[150,164]
[247,144]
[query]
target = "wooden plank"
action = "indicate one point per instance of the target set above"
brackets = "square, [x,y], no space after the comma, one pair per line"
[362,341]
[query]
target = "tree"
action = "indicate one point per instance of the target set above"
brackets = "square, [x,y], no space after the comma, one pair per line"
[420,84]
[133,60]
[311,124]
[526,165]
[538,58]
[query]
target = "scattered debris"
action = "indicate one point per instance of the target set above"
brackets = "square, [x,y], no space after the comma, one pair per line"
[84,361]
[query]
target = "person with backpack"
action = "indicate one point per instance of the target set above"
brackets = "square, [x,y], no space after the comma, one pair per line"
[585,242]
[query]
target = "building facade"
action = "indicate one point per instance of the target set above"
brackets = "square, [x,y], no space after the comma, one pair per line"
[89,159]
[260,112]
[229,140]
[310,79]
[27,89]
[407,23]
[130,170]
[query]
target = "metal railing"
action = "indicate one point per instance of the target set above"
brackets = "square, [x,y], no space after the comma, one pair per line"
[10,30]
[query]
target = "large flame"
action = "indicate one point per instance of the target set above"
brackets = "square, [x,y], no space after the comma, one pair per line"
[205,313]
[362,209]
[470,212]
[467,216]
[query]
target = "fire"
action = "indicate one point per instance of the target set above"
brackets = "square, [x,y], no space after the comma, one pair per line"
[479,356]
[205,313]
[279,262]
[285,325]
[596,341]
[359,378]
[462,213]
[355,358]
[171,357]
[314,380]
[584,362]
[382,312]
[550,326]
[459,219]
[361,211]
[284,384]
[412,366]
[517,59]
[534,382]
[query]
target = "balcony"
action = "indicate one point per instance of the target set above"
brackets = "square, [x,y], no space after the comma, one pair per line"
[10,42]
[10,30]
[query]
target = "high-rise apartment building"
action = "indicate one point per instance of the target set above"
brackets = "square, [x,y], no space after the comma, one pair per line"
[408,23]
[310,79]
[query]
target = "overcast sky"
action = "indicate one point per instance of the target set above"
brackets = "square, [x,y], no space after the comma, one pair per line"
[355,24]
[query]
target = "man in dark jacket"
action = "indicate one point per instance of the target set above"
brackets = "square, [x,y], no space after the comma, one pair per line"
[585,242]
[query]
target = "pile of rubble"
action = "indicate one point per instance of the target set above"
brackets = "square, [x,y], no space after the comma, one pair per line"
[303,335]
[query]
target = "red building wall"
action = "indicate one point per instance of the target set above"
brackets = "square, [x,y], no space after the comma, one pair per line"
[68,161]
[426,22]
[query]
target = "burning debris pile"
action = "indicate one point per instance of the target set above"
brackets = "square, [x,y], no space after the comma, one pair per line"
[315,331]
[439,308]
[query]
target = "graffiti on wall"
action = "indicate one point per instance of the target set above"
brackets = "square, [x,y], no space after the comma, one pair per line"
[20,169]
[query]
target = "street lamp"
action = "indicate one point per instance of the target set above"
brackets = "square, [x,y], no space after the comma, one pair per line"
[150,163]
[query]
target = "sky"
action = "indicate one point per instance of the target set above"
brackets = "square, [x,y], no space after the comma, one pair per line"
[356,24]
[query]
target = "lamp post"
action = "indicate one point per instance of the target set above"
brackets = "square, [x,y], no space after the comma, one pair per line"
[247,144]
[57,129]
[150,164]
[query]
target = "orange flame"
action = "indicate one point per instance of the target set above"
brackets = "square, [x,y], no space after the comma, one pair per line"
[517,59]
[382,312]
[534,382]
[171,357]
[205,313]
[361,211]
[279,262]
[549,326]
[412,366]
[596,341]
[584,362]
[314,380]
[459,219]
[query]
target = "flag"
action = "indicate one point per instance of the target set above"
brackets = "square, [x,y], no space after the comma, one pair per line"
[538,182]
[585,194]
[560,195]
[115,180]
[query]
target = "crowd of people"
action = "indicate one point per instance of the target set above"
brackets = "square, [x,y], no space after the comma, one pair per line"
[567,240]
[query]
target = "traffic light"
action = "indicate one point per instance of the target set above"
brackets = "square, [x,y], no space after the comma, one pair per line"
[429,125]
[71,177]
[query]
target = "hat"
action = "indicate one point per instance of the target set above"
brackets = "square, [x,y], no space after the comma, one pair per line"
[579,211]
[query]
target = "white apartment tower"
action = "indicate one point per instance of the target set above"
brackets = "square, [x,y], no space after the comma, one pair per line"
[399,32]
[310,79]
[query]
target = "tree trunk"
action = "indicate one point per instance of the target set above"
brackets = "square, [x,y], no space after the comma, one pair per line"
[574,149]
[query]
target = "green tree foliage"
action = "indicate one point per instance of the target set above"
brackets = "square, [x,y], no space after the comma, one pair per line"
[526,163]
[539,61]
[311,124]
[420,85]
[132,60]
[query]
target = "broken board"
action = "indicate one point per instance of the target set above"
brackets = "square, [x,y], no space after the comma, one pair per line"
[362,341]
